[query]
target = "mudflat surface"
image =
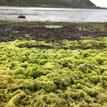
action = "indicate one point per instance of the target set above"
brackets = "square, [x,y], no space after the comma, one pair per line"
[45,30]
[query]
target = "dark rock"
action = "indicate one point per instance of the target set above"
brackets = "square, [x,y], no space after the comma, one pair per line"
[21,16]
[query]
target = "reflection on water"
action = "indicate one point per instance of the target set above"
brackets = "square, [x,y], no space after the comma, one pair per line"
[53,14]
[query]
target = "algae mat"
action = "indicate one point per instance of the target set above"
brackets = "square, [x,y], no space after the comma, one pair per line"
[42,73]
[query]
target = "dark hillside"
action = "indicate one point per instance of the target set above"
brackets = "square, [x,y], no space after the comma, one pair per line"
[49,3]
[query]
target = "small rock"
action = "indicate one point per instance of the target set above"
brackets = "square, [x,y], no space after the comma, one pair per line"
[21,16]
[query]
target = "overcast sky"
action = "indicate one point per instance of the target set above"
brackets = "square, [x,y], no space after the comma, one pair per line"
[101,3]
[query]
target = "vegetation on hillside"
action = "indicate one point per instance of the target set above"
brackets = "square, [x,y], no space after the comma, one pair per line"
[54,73]
[49,3]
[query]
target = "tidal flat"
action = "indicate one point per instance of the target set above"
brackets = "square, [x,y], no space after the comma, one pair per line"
[48,64]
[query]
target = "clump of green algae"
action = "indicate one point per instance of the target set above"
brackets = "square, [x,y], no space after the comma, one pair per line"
[60,74]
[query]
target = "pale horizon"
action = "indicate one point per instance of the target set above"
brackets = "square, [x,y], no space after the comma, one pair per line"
[100,3]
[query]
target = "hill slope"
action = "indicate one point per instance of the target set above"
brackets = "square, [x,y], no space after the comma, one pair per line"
[49,3]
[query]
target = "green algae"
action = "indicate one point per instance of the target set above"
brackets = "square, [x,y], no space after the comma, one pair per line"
[53,26]
[66,74]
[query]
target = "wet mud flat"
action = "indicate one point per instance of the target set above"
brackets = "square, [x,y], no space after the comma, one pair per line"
[10,31]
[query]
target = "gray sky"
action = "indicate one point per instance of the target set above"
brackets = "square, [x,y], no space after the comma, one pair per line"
[101,3]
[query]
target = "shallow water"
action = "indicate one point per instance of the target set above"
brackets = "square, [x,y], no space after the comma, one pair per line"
[53,14]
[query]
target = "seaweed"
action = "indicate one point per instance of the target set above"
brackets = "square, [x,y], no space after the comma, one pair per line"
[67,74]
